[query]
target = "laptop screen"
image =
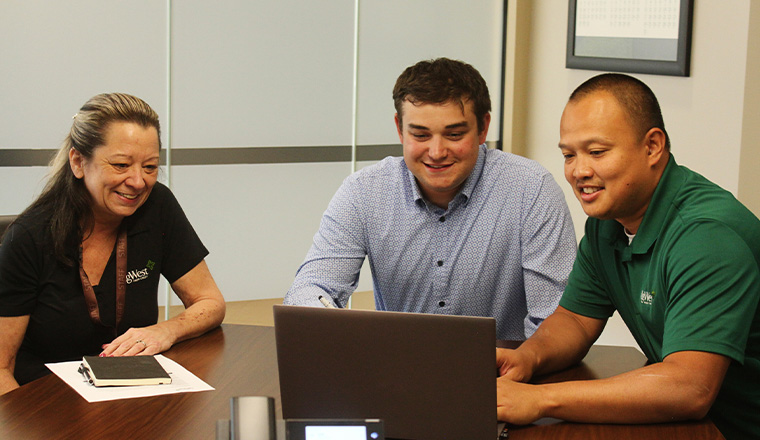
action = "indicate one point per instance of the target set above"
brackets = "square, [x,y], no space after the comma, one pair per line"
[426,376]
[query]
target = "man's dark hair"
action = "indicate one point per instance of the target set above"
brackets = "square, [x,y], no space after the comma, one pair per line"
[636,98]
[442,80]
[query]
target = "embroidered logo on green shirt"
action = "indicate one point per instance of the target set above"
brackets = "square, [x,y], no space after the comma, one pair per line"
[647,297]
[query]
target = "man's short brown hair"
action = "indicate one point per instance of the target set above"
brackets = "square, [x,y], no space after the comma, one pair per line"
[443,80]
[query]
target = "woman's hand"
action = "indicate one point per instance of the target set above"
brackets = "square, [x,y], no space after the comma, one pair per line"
[140,341]
[204,310]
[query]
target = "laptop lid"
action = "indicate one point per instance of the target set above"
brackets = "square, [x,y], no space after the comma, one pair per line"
[426,376]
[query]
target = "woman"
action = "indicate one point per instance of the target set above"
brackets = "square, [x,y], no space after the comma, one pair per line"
[79,268]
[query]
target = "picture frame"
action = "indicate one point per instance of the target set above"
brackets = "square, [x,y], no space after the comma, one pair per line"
[635,36]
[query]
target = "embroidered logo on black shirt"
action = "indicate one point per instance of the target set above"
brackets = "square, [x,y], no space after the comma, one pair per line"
[134,276]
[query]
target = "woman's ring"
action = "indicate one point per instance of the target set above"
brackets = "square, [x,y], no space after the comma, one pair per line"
[143,343]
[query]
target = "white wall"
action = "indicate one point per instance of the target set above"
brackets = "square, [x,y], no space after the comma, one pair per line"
[703,113]
[749,179]
[227,75]
[398,33]
[56,55]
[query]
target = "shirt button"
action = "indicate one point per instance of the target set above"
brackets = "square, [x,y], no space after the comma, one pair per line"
[440,263]
[441,303]
[442,219]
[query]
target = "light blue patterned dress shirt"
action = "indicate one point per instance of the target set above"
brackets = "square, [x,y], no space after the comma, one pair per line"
[503,248]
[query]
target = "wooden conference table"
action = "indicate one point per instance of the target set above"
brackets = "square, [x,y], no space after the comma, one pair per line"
[240,360]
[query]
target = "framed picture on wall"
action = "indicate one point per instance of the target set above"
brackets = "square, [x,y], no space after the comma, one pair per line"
[637,36]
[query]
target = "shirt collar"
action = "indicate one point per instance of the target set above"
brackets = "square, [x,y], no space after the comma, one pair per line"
[142,219]
[662,201]
[469,184]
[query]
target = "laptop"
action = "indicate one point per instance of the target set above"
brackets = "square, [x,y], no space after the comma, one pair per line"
[426,376]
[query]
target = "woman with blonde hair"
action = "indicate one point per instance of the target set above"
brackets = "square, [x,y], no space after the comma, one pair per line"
[79,268]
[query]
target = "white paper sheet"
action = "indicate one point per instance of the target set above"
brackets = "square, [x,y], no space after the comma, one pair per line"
[183,381]
[627,18]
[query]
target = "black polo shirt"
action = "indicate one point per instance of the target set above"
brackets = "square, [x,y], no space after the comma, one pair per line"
[160,241]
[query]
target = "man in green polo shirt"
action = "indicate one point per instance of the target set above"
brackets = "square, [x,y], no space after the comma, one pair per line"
[675,254]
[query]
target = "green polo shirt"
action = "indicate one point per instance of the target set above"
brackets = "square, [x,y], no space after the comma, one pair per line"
[690,280]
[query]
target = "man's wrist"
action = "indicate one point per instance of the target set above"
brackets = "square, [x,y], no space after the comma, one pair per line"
[530,360]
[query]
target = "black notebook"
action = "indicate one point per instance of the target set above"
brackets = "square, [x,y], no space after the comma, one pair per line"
[124,371]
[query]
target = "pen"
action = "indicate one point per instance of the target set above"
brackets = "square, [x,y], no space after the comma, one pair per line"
[85,372]
[325,302]
[504,434]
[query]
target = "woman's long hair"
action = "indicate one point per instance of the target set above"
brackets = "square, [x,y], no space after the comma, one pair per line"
[65,201]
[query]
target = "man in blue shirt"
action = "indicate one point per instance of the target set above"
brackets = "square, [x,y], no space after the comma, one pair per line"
[450,228]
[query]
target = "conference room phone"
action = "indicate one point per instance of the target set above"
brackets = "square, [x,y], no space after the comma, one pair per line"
[253,418]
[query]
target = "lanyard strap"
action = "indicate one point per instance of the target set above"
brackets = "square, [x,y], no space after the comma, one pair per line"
[121,282]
